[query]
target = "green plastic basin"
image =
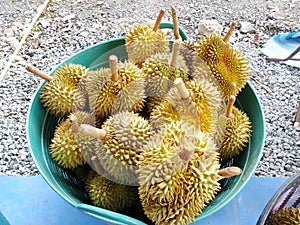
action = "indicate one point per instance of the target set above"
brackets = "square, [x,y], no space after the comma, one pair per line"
[41,125]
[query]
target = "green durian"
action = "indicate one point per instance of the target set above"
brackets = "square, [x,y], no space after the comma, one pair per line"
[287,216]
[107,194]
[107,96]
[64,147]
[122,137]
[237,134]
[228,65]
[144,40]
[178,174]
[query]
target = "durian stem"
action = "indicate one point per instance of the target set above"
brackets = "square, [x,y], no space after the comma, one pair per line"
[230,31]
[185,154]
[175,23]
[229,172]
[38,73]
[231,101]
[183,91]
[114,67]
[75,126]
[175,53]
[93,131]
[158,20]
[297,119]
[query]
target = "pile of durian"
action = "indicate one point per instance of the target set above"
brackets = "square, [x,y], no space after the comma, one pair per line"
[146,136]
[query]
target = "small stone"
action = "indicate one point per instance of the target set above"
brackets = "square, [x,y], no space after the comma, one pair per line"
[45,23]
[9,32]
[209,27]
[68,17]
[247,27]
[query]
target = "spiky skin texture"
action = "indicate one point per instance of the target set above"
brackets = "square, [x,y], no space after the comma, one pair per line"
[178,174]
[200,109]
[142,42]
[160,75]
[127,132]
[104,93]
[64,147]
[229,66]
[237,134]
[57,95]
[131,97]
[109,195]
[74,72]
[288,216]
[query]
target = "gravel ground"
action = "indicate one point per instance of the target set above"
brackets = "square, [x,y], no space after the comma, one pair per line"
[67,26]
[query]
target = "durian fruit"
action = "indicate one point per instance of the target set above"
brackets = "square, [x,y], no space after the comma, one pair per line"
[196,102]
[122,136]
[237,131]
[144,40]
[179,174]
[161,70]
[57,95]
[116,89]
[107,194]
[64,147]
[228,65]
[287,216]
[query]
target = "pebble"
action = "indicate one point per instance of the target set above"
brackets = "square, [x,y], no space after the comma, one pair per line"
[246,27]
[209,27]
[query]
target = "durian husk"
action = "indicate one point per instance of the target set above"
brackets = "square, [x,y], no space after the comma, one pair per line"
[64,147]
[229,66]
[74,72]
[237,134]
[178,174]
[160,75]
[107,194]
[127,132]
[106,95]
[287,216]
[142,42]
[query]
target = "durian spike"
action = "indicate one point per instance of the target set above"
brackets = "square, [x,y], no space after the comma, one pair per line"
[38,72]
[231,29]
[175,23]
[75,126]
[114,67]
[158,20]
[231,101]
[229,172]
[93,131]
[175,53]
[183,91]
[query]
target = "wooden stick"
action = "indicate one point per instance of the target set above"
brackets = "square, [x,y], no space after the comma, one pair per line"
[231,101]
[40,9]
[229,172]
[38,73]
[158,20]
[175,23]
[297,119]
[230,31]
[175,53]
[114,67]
[75,126]
[93,131]
[183,91]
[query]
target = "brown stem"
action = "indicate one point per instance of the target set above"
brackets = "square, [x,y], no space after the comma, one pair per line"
[93,131]
[229,172]
[38,73]
[175,23]
[158,20]
[114,67]
[297,119]
[75,126]
[183,91]
[230,31]
[175,53]
[185,154]
[231,101]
